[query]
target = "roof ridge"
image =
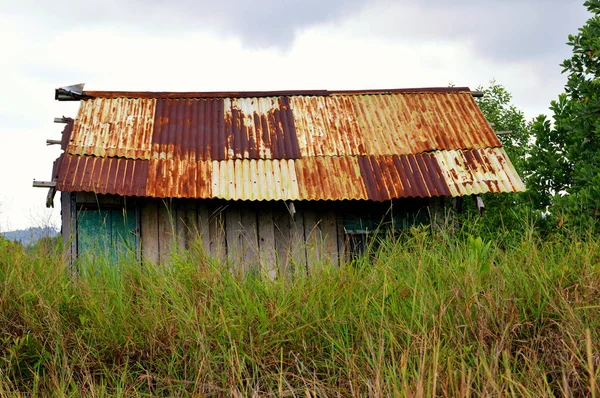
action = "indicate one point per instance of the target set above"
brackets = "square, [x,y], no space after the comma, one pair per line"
[276,93]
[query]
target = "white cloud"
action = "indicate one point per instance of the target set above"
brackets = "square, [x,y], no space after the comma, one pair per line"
[380,45]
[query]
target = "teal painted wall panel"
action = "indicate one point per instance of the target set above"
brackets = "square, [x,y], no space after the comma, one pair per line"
[106,233]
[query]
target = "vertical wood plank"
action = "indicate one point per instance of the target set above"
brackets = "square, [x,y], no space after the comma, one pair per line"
[217,237]
[192,231]
[149,224]
[281,227]
[249,228]
[343,242]
[298,242]
[166,231]
[203,226]
[312,232]
[266,243]
[330,240]
[65,211]
[233,233]
[178,213]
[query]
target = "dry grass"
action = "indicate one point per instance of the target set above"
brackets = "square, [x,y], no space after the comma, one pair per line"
[425,315]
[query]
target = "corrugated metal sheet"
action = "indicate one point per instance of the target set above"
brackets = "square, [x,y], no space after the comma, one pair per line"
[391,124]
[388,177]
[327,146]
[377,178]
[478,171]
[280,127]
[255,180]
[119,176]
[330,178]
[178,178]
[117,127]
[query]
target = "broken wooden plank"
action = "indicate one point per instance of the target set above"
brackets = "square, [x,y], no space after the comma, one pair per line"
[44,184]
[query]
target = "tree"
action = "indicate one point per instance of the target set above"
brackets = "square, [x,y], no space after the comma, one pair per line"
[565,159]
[505,212]
[498,110]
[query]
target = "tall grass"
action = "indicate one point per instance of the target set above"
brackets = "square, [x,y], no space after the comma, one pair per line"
[424,315]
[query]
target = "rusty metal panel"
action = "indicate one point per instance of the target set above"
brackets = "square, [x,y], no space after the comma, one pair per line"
[251,179]
[401,124]
[377,178]
[66,133]
[224,128]
[260,128]
[118,127]
[478,171]
[332,146]
[327,126]
[191,129]
[389,124]
[126,177]
[178,178]
[330,178]
[389,177]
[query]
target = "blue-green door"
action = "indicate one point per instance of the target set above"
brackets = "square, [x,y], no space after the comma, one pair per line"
[106,233]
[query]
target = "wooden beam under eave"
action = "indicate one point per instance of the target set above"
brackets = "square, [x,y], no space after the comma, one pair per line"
[53,142]
[44,184]
[50,197]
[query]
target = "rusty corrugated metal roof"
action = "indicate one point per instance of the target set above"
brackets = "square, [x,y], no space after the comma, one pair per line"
[280,127]
[374,145]
[377,178]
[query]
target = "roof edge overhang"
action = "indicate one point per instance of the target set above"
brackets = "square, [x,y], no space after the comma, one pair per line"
[70,93]
[74,93]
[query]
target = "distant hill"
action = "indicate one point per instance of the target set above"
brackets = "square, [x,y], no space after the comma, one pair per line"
[30,235]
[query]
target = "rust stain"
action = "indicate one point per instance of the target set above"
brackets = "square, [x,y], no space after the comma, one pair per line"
[118,176]
[113,127]
[318,145]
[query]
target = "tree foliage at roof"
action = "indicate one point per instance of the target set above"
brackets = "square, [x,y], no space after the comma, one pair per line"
[565,159]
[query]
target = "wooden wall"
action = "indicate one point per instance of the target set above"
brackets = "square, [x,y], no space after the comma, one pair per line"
[261,236]
[270,237]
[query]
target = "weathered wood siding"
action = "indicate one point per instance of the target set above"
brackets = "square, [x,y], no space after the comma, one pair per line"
[261,237]
[267,237]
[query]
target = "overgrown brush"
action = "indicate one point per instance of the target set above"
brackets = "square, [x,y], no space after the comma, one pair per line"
[425,315]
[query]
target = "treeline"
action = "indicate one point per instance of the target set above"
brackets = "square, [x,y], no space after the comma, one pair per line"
[557,155]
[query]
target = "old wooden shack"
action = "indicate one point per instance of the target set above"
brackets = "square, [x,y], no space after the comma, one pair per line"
[265,180]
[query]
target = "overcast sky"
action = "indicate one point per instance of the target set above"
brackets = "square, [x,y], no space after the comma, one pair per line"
[204,45]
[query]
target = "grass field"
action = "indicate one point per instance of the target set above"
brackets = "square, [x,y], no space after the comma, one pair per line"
[425,315]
